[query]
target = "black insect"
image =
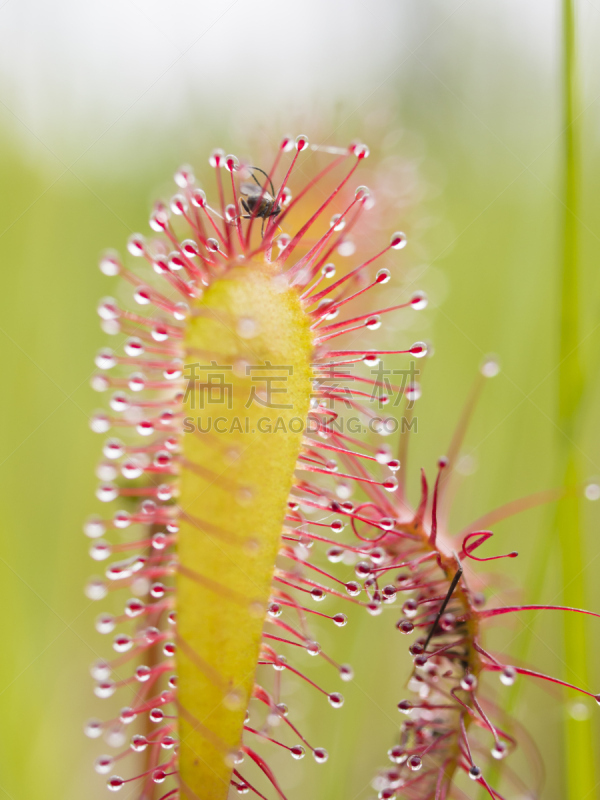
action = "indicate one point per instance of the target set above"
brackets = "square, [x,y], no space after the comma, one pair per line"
[256,201]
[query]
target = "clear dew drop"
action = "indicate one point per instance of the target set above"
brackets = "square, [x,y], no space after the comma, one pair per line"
[396,755]
[136,244]
[134,608]
[159,219]
[297,752]
[100,423]
[108,309]
[410,608]
[383,454]
[508,676]
[280,663]
[398,240]
[184,176]
[373,323]
[103,765]
[122,643]
[474,773]
[335,554]
[447,622]
[104,689]
[313,648]
[160,333]
[99,383]
[336,700]
[138,743]
[340,620]
[232,163]
[283,241]
[113,448]
[490,367]
[142,673]
[127,715]
[142,296]
[468,683]
[413,392]
[234,700]
[247,327]
[360,150]
[592,492]
[374,608]
[100,550]
[105,359]
[405,626]
[106,493]
[115,784]
[346,248]
[159,776]
[346,672]
[94,527]
[100,670]
[115,736]
[112,327]
[96,589]
[122,519]
[383,276]
[136,382]
[419,301]
[301,142]
[418,350]
[414,763]
[405,706]
[320,755]
[110,263]
[131,470]
[198,198]
[389,593]
[181,311]
[499,751]
[93,729]
[145,428]
[107,471]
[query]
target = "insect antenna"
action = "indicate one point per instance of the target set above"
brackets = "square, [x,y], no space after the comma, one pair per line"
[258,169]
[452,587]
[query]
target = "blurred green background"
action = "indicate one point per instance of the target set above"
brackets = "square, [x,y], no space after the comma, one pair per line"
[99,105]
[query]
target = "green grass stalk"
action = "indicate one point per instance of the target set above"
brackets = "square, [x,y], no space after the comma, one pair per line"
[580,780]
[579,767]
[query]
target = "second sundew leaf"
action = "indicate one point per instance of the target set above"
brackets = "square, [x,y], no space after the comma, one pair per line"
[247,412]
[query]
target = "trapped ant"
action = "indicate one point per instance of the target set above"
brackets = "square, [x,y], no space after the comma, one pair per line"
[258,202]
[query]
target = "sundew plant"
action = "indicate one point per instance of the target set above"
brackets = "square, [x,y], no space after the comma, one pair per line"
[256,470]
